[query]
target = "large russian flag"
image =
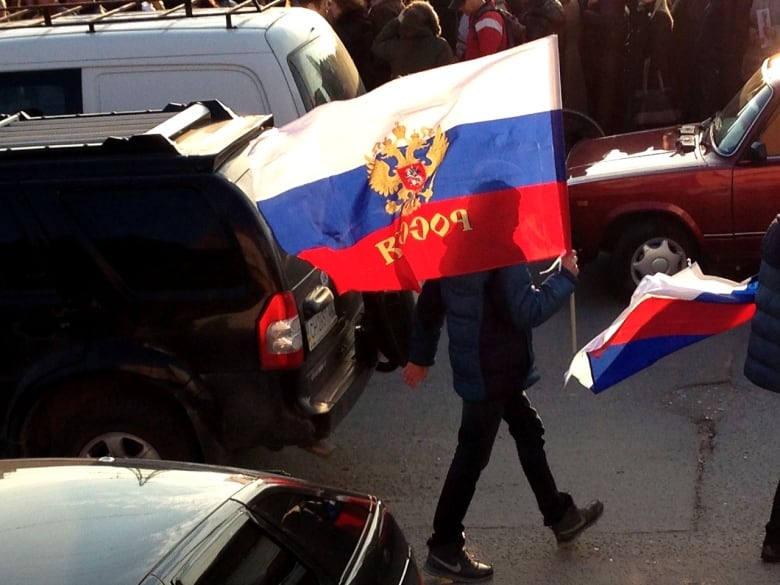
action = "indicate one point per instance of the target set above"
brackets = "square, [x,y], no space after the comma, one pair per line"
[448,171]
[666,313]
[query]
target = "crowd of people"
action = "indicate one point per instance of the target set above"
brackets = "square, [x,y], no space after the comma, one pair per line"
[616,56]
[613,53]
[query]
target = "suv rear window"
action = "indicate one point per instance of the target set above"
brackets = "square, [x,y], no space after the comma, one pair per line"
[24,269]
[50,92]
[160,239]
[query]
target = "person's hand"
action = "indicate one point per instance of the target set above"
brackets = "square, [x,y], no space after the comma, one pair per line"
[569,262]
[413,374]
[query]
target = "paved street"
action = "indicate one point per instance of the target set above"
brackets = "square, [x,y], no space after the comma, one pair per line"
[684,456]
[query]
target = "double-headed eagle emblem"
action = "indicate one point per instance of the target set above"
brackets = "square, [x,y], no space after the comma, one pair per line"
[402,168]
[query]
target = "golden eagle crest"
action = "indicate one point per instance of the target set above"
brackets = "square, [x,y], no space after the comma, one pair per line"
[402,168]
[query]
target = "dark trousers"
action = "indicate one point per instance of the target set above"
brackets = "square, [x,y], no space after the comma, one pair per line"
[478,428]
[773,526]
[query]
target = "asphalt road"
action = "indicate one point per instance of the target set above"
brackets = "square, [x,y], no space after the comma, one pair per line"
[684,455]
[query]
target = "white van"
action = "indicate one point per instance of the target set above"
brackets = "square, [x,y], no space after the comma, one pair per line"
[254,59]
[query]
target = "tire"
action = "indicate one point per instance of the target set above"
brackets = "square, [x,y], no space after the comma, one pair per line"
[100,418]
[655,245]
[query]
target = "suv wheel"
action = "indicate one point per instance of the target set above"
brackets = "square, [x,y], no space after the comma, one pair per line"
[95,419]
[647,248]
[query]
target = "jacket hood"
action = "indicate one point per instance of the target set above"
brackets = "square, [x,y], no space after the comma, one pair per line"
[419,20]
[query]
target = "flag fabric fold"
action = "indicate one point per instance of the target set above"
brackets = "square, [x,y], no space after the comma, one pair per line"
[447,171]
[665,314]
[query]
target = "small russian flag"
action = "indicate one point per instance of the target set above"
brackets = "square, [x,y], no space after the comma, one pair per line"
[666,313]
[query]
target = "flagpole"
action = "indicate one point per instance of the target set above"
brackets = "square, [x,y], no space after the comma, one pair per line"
[573,324]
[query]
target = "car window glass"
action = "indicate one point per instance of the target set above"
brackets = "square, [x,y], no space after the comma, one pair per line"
[23,268]
[132,88]
[324,72]
[328,529]
[49,92]
[244,554]
[732,124]
[159,239]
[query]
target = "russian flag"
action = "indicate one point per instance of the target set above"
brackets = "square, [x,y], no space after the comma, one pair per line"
[449,171]
[666,313]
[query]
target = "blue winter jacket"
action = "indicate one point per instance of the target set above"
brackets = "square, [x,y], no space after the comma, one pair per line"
[762,366]
[489,318]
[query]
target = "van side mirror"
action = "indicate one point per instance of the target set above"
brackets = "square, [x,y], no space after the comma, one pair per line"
[757,152]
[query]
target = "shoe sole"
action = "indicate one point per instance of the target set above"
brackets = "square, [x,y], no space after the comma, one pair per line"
[454,577]
[570,539]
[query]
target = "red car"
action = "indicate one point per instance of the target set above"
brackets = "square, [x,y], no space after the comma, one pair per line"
[705,191]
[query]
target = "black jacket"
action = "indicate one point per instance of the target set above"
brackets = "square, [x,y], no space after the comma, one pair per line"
[762,366]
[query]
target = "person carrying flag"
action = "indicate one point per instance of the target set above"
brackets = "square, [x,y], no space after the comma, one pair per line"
[490,316]
[762,364]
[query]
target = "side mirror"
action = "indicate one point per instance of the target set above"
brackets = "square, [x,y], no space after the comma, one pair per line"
[757,152]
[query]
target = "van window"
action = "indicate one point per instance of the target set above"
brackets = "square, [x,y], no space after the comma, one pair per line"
[50,92]
[146,88]
[323,72]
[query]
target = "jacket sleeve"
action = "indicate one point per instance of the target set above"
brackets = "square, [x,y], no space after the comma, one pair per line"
[489,29]
[444,55]
[529,305]
[426,325]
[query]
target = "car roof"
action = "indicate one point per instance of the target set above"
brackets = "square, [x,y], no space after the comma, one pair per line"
[104,521]
[205,129]
[72,41]
[182,17]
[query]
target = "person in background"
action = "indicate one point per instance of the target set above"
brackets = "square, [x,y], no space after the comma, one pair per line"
[603,38]
[719,52]
[485,33]
[762,364]
[688,18]
[412,41]
[572,77]
[448,19]
[382,11]
[489,318]
[350,20]
[541,18]
[649,52]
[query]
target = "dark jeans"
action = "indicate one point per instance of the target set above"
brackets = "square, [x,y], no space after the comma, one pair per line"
[773,526]
[478,428]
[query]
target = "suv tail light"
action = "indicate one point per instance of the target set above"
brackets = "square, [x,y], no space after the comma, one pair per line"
[280,342]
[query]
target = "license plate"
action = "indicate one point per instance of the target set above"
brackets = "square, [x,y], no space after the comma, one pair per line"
[318,326]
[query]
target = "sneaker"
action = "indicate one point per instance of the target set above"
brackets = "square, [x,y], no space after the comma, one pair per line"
[770,553]
[453,562]
[575,520]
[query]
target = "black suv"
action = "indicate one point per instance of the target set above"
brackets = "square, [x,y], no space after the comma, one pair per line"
[145,307]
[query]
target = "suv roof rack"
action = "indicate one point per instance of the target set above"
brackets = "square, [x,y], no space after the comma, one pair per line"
[134,132]
[97,12]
